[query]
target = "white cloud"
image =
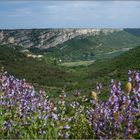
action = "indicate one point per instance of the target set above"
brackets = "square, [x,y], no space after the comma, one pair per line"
[72,14]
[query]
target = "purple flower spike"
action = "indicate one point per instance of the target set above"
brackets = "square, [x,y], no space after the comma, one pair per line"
[129,79]
[66,127]
[129,72]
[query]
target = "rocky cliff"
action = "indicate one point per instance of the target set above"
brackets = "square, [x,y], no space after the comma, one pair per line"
[46,38]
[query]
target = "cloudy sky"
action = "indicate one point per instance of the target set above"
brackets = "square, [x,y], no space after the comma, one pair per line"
[69,14]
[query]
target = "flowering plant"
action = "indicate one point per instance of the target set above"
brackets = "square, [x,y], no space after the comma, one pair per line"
[27,113]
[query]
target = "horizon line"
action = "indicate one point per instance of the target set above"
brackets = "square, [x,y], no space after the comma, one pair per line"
[68,28]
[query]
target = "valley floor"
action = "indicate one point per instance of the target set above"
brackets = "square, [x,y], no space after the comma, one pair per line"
[77,63]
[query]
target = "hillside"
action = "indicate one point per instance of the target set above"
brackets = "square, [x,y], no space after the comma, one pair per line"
[127,60]
[66,45]
[108,54]
[133,31]
[115,68]
[55,78]
[26,115]
[36,71]
[46,38]
[105,70]
[94,47]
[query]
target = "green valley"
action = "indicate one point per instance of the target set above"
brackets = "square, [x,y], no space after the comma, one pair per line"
[94,47]
[77,64]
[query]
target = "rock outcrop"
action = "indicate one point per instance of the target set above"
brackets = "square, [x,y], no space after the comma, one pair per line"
[46,38]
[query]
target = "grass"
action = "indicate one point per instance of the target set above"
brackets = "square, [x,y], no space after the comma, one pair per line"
[34,70]
[55,78]
[77,63]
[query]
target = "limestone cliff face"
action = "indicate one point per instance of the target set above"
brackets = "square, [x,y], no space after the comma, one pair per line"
[46,38]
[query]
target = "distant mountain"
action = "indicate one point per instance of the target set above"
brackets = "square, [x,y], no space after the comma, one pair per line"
[74,44]
[46,38]
[134,31]
[95,46]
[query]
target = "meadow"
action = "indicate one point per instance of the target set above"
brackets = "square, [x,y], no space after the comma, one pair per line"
[29,114]
[77,63]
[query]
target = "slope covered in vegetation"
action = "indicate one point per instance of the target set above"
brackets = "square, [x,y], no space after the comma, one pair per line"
[27,114]
[36,71]
[56,78]
[95,47]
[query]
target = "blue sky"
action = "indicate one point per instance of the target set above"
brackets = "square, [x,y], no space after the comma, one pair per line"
[69,14]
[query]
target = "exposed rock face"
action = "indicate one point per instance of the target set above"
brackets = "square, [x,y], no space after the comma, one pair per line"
[46,38]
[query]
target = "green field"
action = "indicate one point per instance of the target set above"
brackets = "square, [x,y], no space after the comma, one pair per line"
[77,63]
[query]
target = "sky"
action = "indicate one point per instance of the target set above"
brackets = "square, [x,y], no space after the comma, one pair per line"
[69,14]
